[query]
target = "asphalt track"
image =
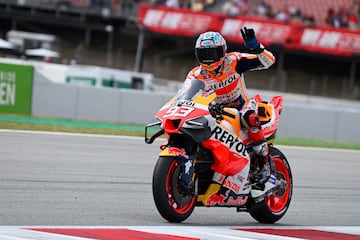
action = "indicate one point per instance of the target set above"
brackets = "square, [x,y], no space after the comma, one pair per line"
[55,179]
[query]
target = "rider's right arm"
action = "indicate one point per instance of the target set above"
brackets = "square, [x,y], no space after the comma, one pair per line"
[194,74]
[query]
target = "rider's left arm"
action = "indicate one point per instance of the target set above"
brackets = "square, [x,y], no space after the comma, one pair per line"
[258,61]
[260,58]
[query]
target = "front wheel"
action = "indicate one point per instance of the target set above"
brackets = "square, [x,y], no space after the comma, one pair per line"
[275,206]
[172,204]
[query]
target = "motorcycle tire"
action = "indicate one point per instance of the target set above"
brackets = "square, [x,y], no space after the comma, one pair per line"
[172,204]
[274,207]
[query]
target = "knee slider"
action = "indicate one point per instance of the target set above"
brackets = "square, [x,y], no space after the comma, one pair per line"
[252,119]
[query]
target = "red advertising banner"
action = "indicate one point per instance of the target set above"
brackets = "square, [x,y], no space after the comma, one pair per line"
[327,41]
[267,32]
[188,23]
[176,21]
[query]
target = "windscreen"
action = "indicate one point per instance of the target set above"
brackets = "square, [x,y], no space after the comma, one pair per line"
[190,89]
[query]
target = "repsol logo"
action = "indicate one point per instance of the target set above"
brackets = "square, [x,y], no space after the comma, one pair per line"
[183,102]
[229,140]
[224,83]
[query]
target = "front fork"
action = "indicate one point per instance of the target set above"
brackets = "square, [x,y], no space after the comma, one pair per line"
[187,167]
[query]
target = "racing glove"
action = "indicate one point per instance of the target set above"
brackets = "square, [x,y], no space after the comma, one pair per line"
[250,40]
[216,110]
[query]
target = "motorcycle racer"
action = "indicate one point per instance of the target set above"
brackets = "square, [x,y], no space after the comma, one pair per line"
[223,73]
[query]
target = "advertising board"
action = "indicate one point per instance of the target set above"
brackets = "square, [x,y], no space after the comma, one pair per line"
[16,88]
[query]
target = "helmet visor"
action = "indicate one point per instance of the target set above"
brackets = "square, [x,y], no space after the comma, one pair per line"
[209,55]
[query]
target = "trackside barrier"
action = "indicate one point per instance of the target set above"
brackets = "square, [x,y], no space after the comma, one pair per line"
[302,116]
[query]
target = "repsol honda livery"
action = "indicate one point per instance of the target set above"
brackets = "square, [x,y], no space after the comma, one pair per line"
[200,149]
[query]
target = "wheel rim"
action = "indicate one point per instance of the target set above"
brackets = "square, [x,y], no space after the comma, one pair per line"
[180,203]
[279,203]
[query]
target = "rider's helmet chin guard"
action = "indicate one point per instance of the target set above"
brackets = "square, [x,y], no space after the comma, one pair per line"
[210,50]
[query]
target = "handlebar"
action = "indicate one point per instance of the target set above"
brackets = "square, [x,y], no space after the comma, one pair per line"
[225,113]
[221,112]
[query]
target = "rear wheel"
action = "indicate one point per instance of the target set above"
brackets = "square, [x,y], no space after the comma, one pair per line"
[172,204]
[275,206]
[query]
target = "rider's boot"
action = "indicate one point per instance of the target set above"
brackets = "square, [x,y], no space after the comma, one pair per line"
[260,147]
[264,172]
[266,181]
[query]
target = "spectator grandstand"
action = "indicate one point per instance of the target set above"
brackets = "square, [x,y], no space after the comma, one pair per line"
[315,12]
[195,5]
[315,8]
[336,13]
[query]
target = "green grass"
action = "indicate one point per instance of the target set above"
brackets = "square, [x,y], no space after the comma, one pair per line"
[67,125]
[75,126]
[292,141]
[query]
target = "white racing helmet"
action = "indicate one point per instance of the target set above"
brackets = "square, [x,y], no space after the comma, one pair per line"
[210,50]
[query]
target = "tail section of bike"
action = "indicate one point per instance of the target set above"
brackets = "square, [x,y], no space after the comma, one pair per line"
[269,114]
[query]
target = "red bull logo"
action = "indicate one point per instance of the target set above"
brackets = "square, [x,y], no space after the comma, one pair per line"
[178,152]
[239,201]
[216,199]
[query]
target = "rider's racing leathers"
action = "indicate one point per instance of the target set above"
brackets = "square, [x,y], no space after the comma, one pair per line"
[228,84]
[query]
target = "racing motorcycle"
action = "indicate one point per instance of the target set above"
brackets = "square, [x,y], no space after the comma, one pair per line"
[187,125]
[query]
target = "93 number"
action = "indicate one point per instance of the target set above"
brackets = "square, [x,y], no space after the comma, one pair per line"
[182,111]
